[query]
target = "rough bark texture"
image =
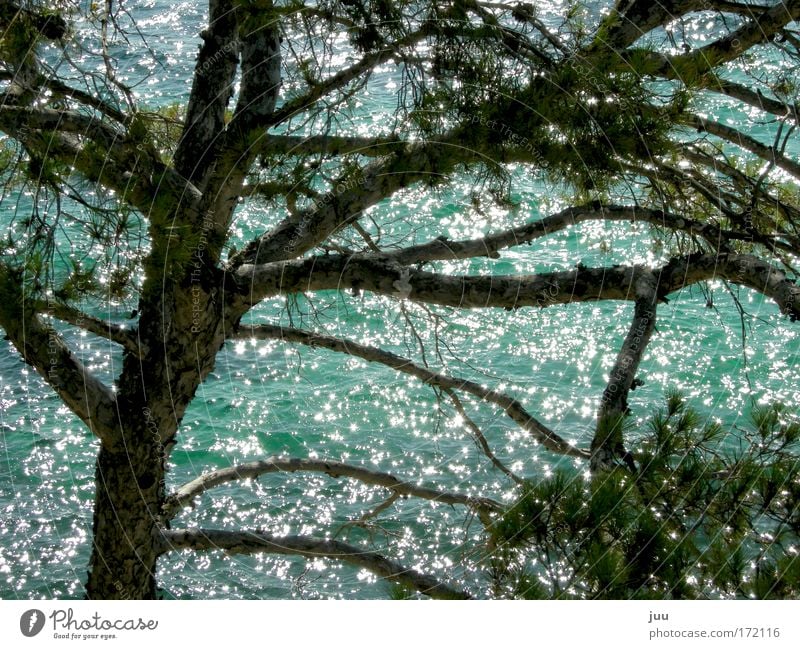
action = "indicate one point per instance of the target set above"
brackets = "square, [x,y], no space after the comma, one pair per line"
[212,89]
[180,332]
[129,493]
[608,444]
[381,274]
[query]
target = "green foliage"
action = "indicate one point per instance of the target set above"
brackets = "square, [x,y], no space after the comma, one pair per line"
[706,514]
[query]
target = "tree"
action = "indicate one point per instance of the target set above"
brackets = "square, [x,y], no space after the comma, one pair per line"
[605,105]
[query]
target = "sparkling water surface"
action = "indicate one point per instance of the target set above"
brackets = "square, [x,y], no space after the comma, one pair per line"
[268,398]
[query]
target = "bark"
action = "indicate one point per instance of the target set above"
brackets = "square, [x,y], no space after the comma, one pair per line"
[253,542]
[127,516]
[180,332]
[384,276]
[236,149]
[759,30]
[608,442]
[693,65]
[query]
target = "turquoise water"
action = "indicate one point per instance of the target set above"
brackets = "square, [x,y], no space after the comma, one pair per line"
[268,398]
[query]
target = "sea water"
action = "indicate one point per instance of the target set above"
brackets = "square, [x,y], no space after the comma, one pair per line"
[267,398]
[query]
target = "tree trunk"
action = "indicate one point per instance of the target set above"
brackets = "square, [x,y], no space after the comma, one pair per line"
[127,515]
[180,333]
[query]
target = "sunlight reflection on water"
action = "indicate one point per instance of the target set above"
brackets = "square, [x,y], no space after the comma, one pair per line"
[267,398]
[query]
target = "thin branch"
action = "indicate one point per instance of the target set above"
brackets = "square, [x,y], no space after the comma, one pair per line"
[354,192]
[364,66]
[362,520]
[121,166]
[752,97]
[734,136]
[62,90]
[184,495]
[488,246]
[511,406]
[310,548]
[99,327]
[296,145]
[480,438]
[527,12]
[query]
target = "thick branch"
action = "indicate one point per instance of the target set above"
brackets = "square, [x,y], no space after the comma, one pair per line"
[311,548]
[698,66]
[50,25]
[13,119]
[632,19]
[355,192]
[377,274]
[130,170]
[184,495]
[259,45]
[692,66]
[608,443]
[511,406]
[761,29]
[212,88]
[745,270]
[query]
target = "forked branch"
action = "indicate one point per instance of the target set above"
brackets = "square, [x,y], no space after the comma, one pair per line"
[513,408]
[262,542]
[184,495]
